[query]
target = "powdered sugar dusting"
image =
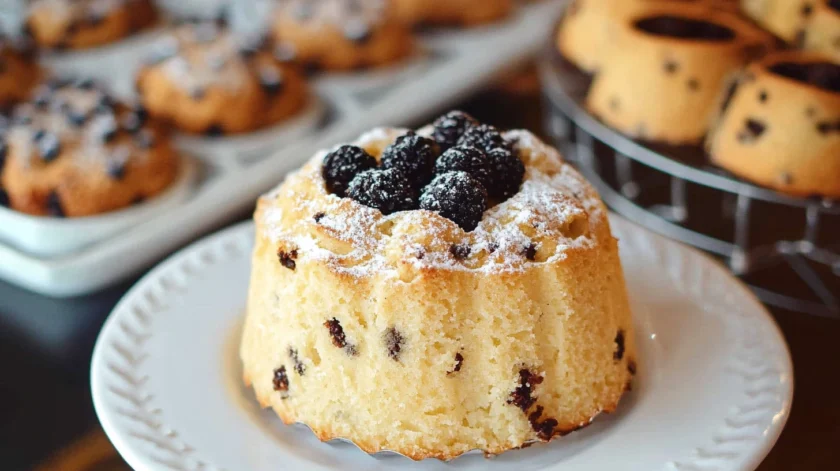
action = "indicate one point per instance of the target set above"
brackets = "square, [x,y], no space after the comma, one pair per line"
[554,212]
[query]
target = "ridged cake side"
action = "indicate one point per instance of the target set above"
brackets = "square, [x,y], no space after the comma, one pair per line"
[406,333]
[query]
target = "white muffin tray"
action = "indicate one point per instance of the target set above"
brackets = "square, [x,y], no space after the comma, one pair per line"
[66,257]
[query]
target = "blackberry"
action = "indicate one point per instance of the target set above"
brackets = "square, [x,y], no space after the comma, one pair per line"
[450,127]
[394,343]
[342,165]
[484,137]
[507,172]
[48,145]
[280,379]
[466,159]
[385,190]
[115,170]
[4,199]
[287,259]
[414,156]
[271,80]
[521,396]
[456,196]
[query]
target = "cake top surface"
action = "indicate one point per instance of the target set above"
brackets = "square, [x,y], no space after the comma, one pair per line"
[79,119]
[201,54]
[553,212]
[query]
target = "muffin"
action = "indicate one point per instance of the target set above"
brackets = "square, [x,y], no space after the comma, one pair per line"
[781,128]
[79,24]
[452,12]
[435,292]
[18,71]
[822,33]
[340,34]
[588,30]
[668,79]
[74,151]
[204,79]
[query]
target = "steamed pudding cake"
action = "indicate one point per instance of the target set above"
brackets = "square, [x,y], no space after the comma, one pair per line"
[436,292]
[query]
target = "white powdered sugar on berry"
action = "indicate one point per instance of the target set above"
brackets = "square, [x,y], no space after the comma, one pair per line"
[554,211]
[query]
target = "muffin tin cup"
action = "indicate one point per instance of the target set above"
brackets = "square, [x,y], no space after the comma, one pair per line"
[45,236]
[235,170]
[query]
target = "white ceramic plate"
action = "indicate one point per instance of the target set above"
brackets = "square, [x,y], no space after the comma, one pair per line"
[713,392]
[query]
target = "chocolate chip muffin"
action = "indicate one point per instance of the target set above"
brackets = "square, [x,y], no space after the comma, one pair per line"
[669,78]
[79,24]
[589,28]
[435,292]
[205,79]
[73,150]
[781,128]
[452,12]
[340,34]
[18,71]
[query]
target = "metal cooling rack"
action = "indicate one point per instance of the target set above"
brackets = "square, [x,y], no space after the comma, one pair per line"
[787,249]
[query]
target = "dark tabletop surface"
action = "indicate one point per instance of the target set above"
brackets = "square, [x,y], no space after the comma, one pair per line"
[46,414]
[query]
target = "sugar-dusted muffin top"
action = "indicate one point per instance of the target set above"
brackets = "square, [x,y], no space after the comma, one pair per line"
[456,195]
[205,78]
[74,150]
[86,23]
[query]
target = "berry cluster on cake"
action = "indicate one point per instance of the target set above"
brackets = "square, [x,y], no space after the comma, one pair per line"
[437,291]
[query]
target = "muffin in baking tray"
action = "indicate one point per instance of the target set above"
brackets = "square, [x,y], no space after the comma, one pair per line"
[784,18]
[781,127]
[822,33]
[74,151]
[435,292]
[340,34]
[452,12]
[79,24]
[18,71]
[589,29]
[205,79]
[668,78]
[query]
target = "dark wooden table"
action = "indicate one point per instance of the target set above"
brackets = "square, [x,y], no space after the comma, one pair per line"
[46,414]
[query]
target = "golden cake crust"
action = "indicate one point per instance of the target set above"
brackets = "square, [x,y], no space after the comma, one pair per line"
[54,166]
[664,87]
[435,350]
[784,18]
[82,24]
[208,81]
[340,34]
[780,132]
[452,12]
[822,33]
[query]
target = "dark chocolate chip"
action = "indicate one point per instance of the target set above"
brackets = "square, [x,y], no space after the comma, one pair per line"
[619,342]
[394,343]
[115,169]
[280,379]
[521,396]
[336,332]
[460,251]
[671,66]
[826,127]
[287,259]
[693,84]
[300,368]
[753,129]
[54,207]
[530,252]
[762,96]
[318,216]
[544,428]
[807,9]
[459,360]
[214,130]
